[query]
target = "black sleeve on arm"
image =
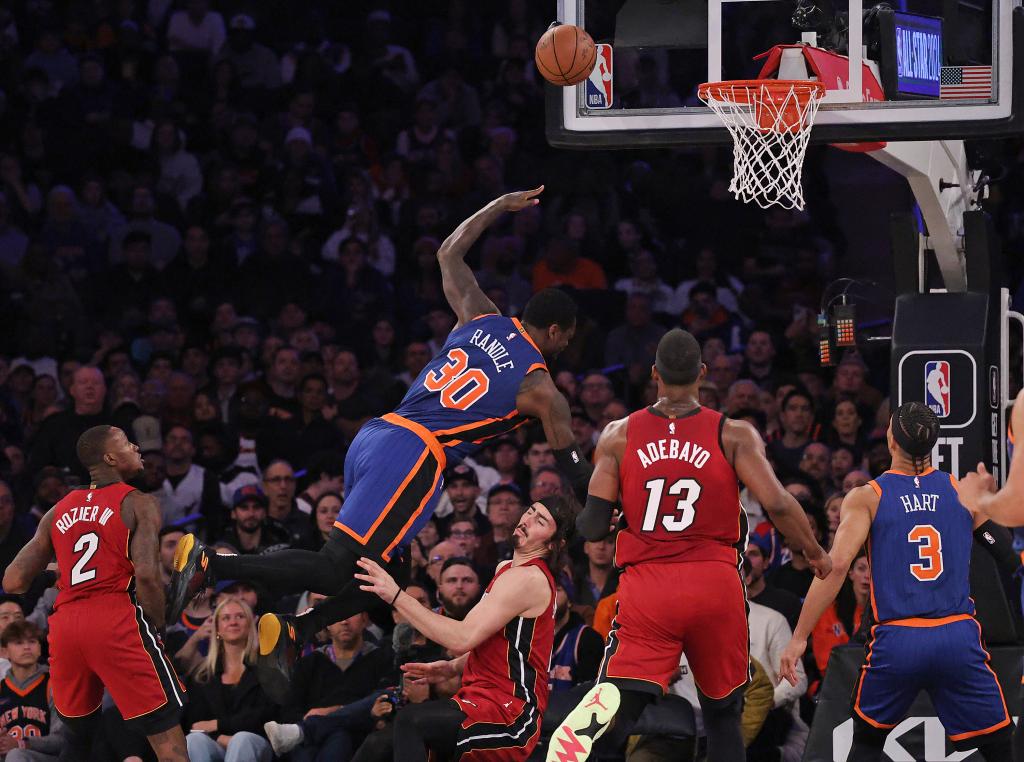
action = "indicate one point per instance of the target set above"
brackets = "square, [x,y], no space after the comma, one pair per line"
[595,520]
[578,470]
[997,540]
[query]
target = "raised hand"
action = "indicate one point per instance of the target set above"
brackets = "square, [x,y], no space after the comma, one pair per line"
[513,202]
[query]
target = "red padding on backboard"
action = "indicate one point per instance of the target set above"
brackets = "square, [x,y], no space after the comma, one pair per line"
[831,69]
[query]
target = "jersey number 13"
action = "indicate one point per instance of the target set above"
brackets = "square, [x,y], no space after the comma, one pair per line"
[684,512]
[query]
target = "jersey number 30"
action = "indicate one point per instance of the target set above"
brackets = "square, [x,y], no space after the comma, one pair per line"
[460,385]
[929,551]
[685,505]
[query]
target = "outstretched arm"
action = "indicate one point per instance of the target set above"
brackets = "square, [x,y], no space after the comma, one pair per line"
[854,525]
[754,470]
[539,398]
[522,591]
[461,290]
[32,559]
[978,489]
[595,520]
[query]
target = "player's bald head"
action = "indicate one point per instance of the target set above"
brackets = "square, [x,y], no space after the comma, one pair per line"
[678,358]
[92,445]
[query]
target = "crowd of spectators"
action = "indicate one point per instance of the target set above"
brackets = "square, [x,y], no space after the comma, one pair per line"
[218,227]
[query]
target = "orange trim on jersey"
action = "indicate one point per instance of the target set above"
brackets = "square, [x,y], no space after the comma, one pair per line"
[871,579]
[361,538]
[904,473]
[429,439]
[24,692]
[536,366]
[875,487]
[519,326]
[917,621]
[416,513]
[860,686]
[1009,432]
[956,484]
[483,315]
[468,427]
[1006,715]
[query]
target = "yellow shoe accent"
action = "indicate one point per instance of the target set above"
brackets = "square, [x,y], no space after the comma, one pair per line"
[270,632]
[181,552]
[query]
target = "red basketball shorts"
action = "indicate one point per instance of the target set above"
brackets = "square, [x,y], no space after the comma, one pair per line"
[664,609]
[107,641]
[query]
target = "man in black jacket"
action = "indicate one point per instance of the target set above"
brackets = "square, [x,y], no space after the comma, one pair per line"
[341,673]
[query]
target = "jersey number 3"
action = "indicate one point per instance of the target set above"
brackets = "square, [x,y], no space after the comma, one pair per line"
[929,551]
[460,385]
[684,505]
[87,545]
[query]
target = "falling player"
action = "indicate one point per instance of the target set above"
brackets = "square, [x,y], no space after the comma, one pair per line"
[919,537]
[103,630]
[489,378]
[504,646]
[675,465]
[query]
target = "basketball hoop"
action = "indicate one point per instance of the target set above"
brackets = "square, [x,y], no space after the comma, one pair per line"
[770,123]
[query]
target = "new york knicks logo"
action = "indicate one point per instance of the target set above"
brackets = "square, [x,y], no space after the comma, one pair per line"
[936,387]
[599,83]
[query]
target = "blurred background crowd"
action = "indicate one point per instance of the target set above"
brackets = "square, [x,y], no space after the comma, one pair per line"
[218,228]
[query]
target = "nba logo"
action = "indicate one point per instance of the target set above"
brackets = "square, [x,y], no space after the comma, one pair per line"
[936,387]
[599,83]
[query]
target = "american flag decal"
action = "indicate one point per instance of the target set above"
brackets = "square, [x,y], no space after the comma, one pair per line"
[965,82]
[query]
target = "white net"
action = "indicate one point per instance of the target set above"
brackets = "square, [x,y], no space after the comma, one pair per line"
[770,123]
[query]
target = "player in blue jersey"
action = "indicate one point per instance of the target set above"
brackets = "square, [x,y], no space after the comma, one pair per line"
[490,377]
[919,535]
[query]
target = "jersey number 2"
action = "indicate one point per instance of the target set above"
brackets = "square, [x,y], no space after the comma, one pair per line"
[929,551]
[685,505]
[460,385]
[89,543]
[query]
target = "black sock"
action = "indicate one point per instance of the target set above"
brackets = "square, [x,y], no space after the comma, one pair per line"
[867,742]
[631,706]
[722,725]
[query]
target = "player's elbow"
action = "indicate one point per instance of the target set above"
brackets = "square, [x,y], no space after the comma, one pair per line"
[148,574]
[14,581]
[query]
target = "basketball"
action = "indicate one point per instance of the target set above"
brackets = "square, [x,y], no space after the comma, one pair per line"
[565,55]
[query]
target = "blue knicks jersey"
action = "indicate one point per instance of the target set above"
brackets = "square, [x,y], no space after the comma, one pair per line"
[920,548]
[467,394]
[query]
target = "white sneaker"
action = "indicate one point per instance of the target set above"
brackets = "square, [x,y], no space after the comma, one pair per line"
[283,738]
[575,737]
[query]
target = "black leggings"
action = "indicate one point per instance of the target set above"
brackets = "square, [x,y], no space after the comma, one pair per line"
[721,723]
[328,572]
[430,726]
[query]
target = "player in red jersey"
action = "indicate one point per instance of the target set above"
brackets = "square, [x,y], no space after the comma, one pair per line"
[675,465]
[505,645]
[103,630]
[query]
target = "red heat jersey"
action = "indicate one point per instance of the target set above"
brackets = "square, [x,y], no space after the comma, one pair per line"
[91,543]
[505,679]
[680,495]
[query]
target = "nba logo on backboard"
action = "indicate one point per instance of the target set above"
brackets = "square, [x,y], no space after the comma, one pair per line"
[599,83]
[936,387]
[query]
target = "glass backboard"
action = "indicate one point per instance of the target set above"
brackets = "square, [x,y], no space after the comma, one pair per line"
[910,70]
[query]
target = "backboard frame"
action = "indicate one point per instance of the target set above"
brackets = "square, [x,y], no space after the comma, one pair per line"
[567,127]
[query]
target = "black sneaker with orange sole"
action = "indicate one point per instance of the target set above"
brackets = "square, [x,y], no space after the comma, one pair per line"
[279,648]
[190,575]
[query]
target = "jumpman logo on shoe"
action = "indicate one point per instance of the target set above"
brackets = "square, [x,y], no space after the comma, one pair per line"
[596,700]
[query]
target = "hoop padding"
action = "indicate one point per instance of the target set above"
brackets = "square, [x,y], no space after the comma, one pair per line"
[770,122]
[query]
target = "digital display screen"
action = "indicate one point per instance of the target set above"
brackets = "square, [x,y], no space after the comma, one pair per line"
[918,54]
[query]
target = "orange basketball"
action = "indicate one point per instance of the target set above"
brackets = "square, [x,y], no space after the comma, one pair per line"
[565,55]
